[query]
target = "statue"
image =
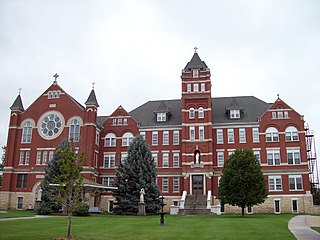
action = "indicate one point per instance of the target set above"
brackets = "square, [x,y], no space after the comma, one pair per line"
[39,195]
[197,157]
[142,193]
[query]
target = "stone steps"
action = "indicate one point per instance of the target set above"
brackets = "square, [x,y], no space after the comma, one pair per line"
[195,205]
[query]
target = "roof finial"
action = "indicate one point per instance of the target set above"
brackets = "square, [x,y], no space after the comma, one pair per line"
[93,85]
[278,95]
[20,91]
[55,78]
[195,49]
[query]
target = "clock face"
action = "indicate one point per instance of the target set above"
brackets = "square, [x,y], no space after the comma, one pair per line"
[51,125]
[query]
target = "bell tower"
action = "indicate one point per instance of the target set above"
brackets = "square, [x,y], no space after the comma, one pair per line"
[196,135]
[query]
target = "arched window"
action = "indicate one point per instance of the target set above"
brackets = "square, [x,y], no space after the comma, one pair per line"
[200,112]
[272,134]
[110,140]
[26,132]
[127,139]
[191,113]
[74,130]
[292,134]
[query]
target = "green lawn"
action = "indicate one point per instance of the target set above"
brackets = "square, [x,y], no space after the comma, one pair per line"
[134,227]
[316,229]
[16,213]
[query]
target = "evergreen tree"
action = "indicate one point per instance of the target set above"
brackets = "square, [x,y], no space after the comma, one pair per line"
[242,183]
[138,171]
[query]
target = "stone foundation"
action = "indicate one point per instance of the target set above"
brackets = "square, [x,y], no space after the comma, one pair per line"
[9,200]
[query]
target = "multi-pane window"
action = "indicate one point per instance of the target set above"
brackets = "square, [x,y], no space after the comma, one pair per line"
[44,156]
[242,135]
[26,132]
[273,157]
[24,157]
[176,184]
[109,160]
[127,139]
[272,135]
[165,160]
[192,134]
[220,135]
[165,137]
[293,156]
[203,87]
[256,153]
[97,137]
[165,184]
[176,160]
[200,112]
[124,157]
[74,130]
[201,133]
[196,87]
[220,158]
[155,138]
[110,140]
[38,159]
[275,183]
[230,135]
[234,113]
[191,113]
[22,180]
[291,134]
[19,202]
[195,73]
[189,88]
[255,135]
[176,137]
[155,158]
[108,181]
[143,135]
[295,182]
[161,117]
[277,206]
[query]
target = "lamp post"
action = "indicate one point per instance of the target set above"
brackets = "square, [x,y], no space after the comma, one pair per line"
[162,213]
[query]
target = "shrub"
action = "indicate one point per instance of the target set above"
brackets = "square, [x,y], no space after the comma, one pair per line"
[44,209]
[82,210]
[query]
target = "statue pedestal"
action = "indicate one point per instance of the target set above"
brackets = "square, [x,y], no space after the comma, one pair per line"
[142,209]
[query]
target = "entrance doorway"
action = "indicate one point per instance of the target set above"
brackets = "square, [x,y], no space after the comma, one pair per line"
[197,185]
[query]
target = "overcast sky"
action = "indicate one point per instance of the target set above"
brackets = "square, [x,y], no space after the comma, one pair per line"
[135,50]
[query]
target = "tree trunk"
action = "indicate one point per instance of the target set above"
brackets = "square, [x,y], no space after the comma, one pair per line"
[242,211]
[69,225]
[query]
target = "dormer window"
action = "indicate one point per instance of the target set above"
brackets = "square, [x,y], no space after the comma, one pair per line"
[161,117]
[195,73]
[234,114]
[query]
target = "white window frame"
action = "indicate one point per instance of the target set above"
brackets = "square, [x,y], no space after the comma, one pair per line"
[203,87]
[220,158]
[27,132]
[200,112]
[189,88]
[195,73]
[257,154]
[155,158]
[275,183]
[242,135]
[161,117]
[110,140]
[176,184]
[191,113]
[192,133]
[165,160]
[295,179]
[154,138]
[274,153]
[127,139]
[109,160]
[297,202]
[165,184]
[124,157]
[201,133]
[255,135]
[219,136]
[176,160]
[292,134]
[176,137]
[143,135]
[274,204]
[195,87]
[234,114]
[108,181]
[165,138]
[296,157]
[272,134]
[74,130]
[230,135]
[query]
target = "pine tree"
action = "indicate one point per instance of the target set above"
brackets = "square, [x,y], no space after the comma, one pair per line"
[138,171]
[242,183]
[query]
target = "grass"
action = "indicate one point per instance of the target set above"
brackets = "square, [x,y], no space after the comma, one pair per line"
[16,213]
[134,227]
[316,229]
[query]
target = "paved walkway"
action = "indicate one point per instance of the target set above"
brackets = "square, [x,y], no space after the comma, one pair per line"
[300,227]
[21,218]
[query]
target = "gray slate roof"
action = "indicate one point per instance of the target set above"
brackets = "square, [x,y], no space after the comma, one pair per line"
[252,109]
[17,104]
[195,63]
[92,100]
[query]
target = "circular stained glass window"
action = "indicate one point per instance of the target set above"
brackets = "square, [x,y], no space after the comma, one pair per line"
[51,125]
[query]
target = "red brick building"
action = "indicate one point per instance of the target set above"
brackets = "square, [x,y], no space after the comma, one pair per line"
[190,139]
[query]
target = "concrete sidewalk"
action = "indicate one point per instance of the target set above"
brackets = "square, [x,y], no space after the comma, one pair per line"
[300,227]
[22,218]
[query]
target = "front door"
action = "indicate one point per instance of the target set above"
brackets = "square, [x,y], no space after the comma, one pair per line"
[197,185]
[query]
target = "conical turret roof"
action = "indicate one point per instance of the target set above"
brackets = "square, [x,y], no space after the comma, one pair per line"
[196,63]
[92,100]
[17,104]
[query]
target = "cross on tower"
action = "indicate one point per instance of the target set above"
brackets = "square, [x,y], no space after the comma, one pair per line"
[93,85]
[55,77]
[20,91]
[195,49]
